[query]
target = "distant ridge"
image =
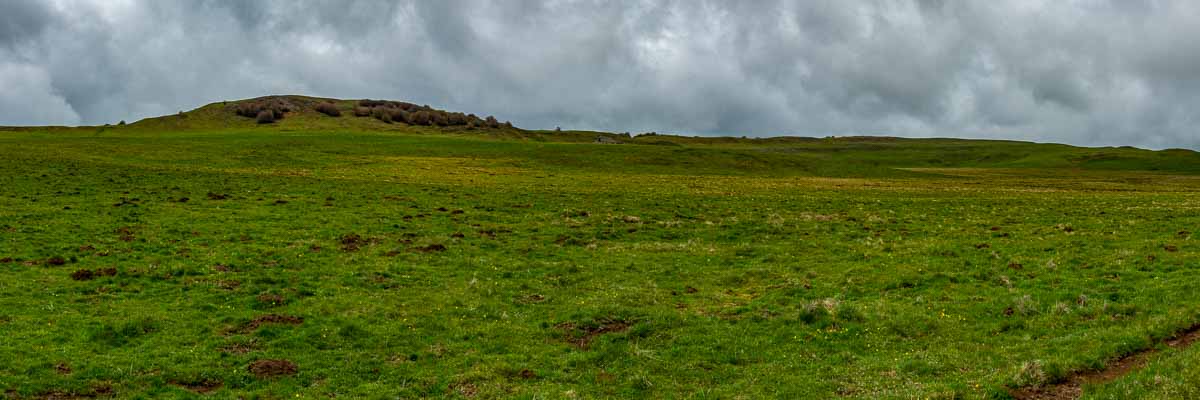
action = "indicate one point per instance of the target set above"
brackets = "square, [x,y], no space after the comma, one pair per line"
[293,113]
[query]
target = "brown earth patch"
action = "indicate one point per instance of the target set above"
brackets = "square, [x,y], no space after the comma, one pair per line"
[239,348]
[101,390]
[465,389]
[203,386]
[532,298]
[271,300]
[126,234]
[83,275]
[62,368]
[217,196]
[272,319]
[1072,386]
[430,248]
[353,241]
[56,261]
[87,274]
[266,369]
[582,335]
[6,260]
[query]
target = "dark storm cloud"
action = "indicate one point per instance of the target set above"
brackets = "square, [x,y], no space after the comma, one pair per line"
[1082,72]
[23,19]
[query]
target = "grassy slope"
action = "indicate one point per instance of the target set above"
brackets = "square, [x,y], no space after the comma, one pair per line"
[759,268]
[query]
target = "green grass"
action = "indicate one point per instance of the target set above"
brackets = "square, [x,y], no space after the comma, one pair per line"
[714,268]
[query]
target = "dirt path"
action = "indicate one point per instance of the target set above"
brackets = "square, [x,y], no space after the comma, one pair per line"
[1072,386]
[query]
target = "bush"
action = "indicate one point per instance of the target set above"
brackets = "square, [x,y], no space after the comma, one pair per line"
[420,118]
[328,109]
[361,111]
[377,112]
[265,117]
[439,119]
[399,115]
[371,103]
[491,122]
[254,108]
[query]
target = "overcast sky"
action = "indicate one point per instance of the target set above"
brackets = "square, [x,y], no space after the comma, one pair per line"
[1121,72]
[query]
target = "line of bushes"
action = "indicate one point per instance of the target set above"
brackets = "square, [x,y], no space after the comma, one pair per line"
[264,111]
[412,114]
[270,109]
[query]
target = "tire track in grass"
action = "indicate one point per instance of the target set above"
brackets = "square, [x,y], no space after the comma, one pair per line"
[1072,386]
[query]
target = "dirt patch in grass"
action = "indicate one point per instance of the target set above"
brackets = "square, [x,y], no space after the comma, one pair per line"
[271,300]
[465,389]
[126,234]
[1072,386]
[239,347]
[203,386]
[266,369]
[217,196]
[353,242]
[102,390]
[87,274]
[62,368]
[582,335]
[271,319]
[433,248]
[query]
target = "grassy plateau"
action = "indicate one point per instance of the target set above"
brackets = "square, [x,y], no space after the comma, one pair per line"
[203,255]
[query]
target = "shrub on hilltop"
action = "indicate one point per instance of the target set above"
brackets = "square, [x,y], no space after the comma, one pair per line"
[328,109]
[422,115]
[265,117]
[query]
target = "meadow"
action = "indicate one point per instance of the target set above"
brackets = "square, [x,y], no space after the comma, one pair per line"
[307,259]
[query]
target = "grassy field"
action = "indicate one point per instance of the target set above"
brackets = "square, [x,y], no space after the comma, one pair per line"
[178,258]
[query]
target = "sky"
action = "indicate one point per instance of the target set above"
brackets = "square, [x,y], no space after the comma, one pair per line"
[1095,73]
